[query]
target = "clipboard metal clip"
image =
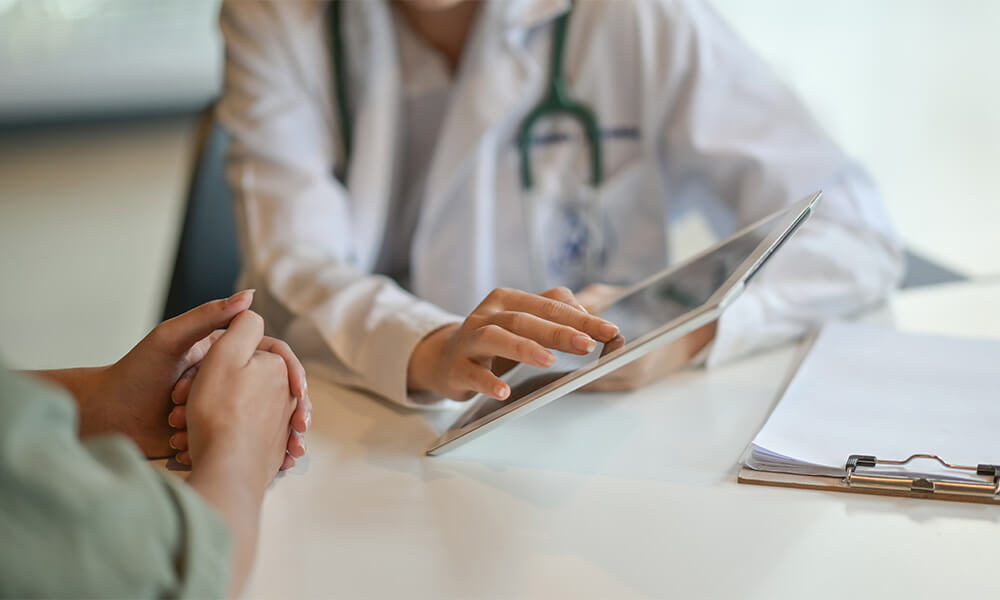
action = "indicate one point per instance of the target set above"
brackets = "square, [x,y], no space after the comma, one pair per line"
[921,484]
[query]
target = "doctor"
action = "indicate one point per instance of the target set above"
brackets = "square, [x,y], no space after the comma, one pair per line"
[401,204]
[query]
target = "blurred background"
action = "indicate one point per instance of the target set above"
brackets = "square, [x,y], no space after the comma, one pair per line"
[102,125]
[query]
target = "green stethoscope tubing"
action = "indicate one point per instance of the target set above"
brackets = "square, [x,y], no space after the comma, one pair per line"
[340,81]
[557,101]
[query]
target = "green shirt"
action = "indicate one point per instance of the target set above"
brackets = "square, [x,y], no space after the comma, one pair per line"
[93,519]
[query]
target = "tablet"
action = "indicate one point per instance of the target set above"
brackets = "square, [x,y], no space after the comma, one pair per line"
[652,313]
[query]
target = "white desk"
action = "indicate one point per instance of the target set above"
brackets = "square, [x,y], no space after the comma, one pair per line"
[605,496]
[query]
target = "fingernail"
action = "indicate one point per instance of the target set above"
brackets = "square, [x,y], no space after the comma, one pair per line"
[584,342]
[501,392]
[239,295]
[305,384]
[543,358]
[309,419]
[608,330]
[305,446]
[171,442]
[170,420]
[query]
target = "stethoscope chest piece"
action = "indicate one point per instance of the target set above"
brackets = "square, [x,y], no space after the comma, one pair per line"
[570,236]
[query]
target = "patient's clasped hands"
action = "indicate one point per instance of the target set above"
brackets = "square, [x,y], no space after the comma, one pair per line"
[188,366]
[296,377]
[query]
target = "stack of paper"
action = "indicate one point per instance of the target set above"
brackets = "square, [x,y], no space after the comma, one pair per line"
[869,390]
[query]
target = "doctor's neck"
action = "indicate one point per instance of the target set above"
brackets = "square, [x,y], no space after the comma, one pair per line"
[444,24]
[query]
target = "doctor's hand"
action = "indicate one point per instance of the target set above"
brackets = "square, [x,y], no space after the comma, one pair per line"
[657,364]
[509,326]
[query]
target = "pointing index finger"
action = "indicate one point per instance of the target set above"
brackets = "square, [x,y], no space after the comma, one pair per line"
[563,313]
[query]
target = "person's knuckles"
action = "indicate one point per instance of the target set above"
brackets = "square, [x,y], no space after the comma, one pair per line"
[561,337]
[562,294]
[476,337]
[163,337]
[565,306]
[488,338]
[499,296]
[552,310]
[514,321]
[583,321]
[528,351]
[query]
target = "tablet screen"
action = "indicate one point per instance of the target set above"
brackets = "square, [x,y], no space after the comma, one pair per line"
[641,312]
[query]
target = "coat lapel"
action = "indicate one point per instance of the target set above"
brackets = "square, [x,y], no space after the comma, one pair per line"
[376,96]
[498,82]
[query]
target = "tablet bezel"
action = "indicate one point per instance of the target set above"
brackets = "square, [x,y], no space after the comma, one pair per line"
[676,328]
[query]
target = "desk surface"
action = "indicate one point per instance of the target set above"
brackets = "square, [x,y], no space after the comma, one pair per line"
[606,496]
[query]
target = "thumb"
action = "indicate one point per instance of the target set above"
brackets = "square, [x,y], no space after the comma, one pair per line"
[239,343]
[179,334]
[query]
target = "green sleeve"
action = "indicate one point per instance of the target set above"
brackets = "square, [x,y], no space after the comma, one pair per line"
[94,519]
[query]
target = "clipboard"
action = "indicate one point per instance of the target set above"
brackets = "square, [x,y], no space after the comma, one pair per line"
[861,476]
[867,474]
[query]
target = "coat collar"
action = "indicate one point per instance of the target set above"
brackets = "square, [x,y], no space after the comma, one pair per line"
[376,94]
[497,79]
[498,82]
[524,14]
[502,76]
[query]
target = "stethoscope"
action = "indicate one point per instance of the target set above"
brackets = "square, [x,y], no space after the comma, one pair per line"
[558,101]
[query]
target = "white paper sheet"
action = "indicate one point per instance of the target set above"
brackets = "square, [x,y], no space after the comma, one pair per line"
[864,389]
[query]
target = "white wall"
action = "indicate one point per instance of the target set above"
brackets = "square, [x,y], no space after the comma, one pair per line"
[911,87]
[89,219]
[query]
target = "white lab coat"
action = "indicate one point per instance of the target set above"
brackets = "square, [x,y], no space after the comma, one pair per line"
[715,131]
